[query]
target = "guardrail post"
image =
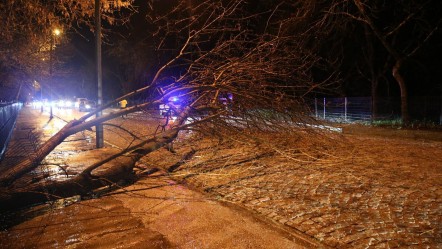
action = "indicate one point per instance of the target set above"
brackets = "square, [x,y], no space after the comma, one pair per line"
[345,108]
[324,109]
[316,107]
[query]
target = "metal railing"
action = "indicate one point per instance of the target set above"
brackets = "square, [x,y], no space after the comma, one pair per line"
[351,109]
[8,116]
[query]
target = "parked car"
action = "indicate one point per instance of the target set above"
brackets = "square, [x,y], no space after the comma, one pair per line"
[86,105]
[78,101]
[172,101]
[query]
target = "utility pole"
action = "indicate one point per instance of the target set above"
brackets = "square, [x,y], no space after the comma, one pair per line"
[50,73]
[55,32]
[99,127]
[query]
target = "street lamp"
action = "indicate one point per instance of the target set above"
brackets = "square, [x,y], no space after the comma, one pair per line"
[99,135]
[55,32]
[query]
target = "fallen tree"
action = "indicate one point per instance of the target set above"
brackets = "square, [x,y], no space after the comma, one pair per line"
[234,75]
[117,167]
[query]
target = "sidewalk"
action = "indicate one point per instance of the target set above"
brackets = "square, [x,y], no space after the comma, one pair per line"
[359,191]
[369,192]
[34,128]
[155,212]
[24,138]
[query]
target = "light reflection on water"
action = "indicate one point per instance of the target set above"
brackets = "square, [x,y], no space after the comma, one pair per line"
[56,172]
[54,126]
[72,239]
[89,139]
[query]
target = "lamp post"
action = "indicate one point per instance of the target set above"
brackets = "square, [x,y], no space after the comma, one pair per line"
[99,136]
[55,32]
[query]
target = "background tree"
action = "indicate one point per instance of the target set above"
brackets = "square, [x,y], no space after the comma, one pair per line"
[401,31]
[131,63]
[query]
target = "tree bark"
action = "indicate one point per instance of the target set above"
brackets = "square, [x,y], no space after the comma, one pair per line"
[374,100]
[27,165]
[395,54]
[403,88]
[82,184]
[109,171]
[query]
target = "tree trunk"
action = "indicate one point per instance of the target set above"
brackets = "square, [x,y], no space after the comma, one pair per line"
[374,99]
[116,168]
[404,94]
[27,165]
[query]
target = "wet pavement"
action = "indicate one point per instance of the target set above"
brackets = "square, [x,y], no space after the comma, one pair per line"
[378,192]
[375,193]
[34,127]
[155,212]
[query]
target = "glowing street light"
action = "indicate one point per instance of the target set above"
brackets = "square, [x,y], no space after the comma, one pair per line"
[55,32]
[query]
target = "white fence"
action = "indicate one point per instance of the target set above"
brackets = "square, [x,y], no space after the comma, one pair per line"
[351,109]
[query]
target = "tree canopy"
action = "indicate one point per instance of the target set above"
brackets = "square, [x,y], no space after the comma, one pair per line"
[28,27]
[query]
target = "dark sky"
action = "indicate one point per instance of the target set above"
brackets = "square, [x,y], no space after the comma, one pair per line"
[421,71]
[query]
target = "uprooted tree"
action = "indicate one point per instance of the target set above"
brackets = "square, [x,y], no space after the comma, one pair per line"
[236,68]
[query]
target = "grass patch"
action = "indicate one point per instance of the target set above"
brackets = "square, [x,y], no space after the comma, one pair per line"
[415,124]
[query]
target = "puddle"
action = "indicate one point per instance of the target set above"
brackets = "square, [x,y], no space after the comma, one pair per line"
[53,126]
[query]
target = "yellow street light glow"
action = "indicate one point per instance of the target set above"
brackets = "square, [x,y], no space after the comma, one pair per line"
[57,32]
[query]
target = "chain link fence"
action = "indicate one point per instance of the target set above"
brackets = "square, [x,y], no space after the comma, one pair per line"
[354,109]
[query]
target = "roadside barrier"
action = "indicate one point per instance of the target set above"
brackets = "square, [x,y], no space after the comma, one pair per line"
[8,116]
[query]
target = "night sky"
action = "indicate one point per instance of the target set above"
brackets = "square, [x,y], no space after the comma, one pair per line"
[421,71]
[78,77]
